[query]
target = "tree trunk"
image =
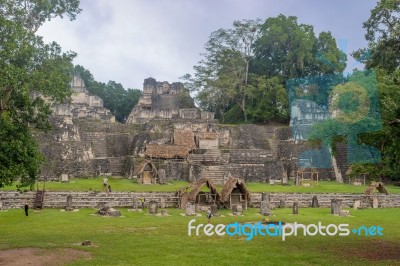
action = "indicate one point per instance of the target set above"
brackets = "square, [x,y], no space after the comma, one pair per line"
[242,106]
[247,72]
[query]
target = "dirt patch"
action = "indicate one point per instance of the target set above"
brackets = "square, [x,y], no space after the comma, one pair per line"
[40,257]
[374,250]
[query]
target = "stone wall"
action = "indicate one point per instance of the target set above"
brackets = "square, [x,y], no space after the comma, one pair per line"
[84,199]
[84,147]
[324,199]
[125,199]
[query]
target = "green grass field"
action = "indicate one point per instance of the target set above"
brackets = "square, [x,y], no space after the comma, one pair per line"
[142,239]
[123,184]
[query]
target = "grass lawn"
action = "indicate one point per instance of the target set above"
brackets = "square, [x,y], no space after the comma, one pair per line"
[142,239]
[323,187]
[96,184]
[123,184]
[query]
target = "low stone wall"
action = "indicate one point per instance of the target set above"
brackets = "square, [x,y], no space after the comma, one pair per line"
[324,199]
[10,199]
[85,199]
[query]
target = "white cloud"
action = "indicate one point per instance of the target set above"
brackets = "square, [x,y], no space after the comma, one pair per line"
[128,41]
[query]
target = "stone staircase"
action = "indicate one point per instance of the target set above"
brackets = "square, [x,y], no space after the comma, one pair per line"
[215,173]
[97,142]
[274,145]
[211,156]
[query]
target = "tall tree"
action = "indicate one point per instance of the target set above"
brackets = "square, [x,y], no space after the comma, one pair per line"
[32,76]
[222,74]
[383,36]
[291,50]
[269,101]
[31,14]
[383,55]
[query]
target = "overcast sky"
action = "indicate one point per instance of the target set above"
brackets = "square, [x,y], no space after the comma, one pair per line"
[130,40]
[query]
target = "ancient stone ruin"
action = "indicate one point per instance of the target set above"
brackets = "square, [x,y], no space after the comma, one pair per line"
[165,138]
[162,100]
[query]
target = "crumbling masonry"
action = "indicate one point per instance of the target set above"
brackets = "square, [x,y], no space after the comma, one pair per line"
[181,143]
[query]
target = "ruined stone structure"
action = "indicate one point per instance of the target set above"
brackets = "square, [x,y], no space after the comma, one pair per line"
[160,101]
[181,144]
[83,105]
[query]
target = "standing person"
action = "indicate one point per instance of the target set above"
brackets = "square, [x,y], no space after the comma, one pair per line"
[209,214]
[142,201]
[26,207]
[105,183]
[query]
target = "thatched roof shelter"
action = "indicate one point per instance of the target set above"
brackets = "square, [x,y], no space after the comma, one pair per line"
[199,184]
[307,170]
[147,173]
[191,192]
[307,173]
[234,184]
[184,138]
[146,165]
[183,194]
[166,151]
[376,185]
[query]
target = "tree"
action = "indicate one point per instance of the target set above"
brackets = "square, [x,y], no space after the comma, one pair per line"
[119,100]
[31,14]
[269,100]
[383,55]
[291,50]
[222,74]
[33,75]
[383,36]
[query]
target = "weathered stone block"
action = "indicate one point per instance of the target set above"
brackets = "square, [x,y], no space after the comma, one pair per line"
[265,207]
[295,207]
[237,209]
[68,206]
[190,209]
[64,178]
[153,207]
[357,204]
[336,206]
[314,203]
[108,211]
[375,202]
[135,203]
[162,203]
[162,177]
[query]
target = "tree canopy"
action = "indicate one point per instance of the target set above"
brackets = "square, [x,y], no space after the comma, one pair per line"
[119,100]
[33,76]
[244,69]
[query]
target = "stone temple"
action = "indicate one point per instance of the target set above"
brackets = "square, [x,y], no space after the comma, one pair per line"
[165,138]
[160,101]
